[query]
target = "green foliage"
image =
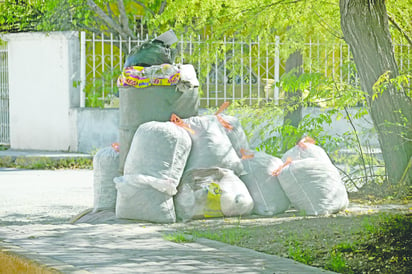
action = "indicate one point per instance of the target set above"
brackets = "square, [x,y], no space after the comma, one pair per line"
[17,17]
[352,244]
[46,163]
[230,236]
[297,253]
[385,81]
[285,136]
[6,161]
[178,238]
[336,262]
[38,15]
[98,90]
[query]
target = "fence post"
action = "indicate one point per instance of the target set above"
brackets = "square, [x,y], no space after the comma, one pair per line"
[82,68]
[277,67]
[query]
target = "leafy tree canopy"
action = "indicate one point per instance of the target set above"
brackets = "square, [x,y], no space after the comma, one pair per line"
[293,20]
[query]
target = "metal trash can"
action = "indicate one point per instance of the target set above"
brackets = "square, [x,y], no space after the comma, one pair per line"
[154,103]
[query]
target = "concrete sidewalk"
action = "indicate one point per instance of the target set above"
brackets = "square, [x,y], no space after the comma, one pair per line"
[37,205]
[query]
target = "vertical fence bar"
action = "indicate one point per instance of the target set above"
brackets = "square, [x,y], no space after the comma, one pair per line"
[102,75]
[233,71]
[310,55]
[250,71]
[333,62]
[111,65]
[181,49]
[258,69]
[318,57]
[277,69]
[190,46]
[326,62]
[224,70]
[401,57]
[267,73]
[241,69]
[310,61]
[199,56]
[349,67]
[94,63]
[409,63]
[208,74]
[216,79]
[82,69]
[120,52]
[340,63]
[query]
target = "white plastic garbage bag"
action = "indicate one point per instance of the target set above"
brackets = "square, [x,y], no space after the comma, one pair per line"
[310,180]
[145,198]
[235,132]
[306,148]
[213,192]
[268,196]
[105,168]
[211,147]
[160,150]
[314,187]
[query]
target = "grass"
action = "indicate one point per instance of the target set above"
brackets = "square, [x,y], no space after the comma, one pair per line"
[345,244]
[178,237]
[12,264]
[46,163]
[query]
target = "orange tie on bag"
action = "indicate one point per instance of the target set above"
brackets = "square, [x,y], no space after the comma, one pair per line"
[116,147]
[222,108]
[305,140]
[179,122]
[224,123]
[279,170]
[245,155]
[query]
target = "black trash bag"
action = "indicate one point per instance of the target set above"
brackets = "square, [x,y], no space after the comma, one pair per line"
[153,52]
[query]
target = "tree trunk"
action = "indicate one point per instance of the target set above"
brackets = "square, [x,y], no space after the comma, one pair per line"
[293,98]
[365,28]
[293,106]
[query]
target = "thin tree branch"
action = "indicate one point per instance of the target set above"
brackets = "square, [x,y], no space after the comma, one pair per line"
[395,24]
[109,10]
[358,141]
[162,7]
[109,21]
[327,27]
[145,7]
[124,21]
[349,178]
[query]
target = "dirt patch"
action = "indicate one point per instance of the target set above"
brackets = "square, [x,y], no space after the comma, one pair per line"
[362,239]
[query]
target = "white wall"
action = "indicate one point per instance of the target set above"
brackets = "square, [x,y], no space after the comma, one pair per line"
[96,128]
[42,70]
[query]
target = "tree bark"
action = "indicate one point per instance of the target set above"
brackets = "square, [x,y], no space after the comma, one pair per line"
[365,27]
[293,98]
[293,107]
[123,30]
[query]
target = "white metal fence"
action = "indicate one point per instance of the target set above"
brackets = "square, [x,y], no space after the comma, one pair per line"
[247,70]
[4,96]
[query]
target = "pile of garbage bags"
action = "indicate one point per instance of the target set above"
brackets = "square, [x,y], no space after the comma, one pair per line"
[202,167]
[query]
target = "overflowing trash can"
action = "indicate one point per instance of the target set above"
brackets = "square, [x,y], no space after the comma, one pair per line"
[152,90]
